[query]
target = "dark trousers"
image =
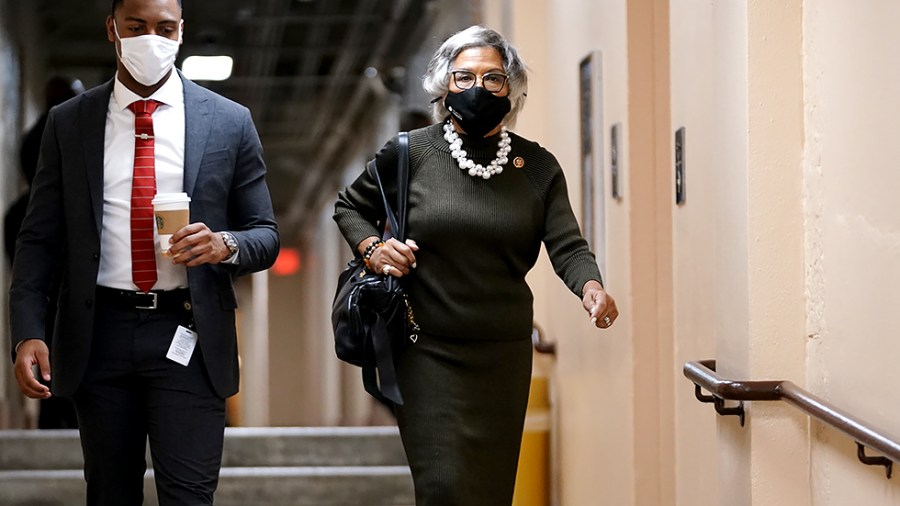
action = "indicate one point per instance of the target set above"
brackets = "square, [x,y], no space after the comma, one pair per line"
[57,413]
[131,391]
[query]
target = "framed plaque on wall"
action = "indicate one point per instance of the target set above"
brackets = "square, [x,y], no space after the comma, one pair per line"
[593,197]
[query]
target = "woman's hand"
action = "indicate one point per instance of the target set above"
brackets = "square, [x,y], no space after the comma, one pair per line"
[394,258]
[600,305]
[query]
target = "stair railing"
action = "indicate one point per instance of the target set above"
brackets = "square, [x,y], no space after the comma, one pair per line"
[703,374]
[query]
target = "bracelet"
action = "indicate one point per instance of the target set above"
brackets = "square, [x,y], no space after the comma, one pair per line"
[370,249]
[377,243]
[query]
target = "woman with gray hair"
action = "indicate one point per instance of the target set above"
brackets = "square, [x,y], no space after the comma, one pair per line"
[482,200]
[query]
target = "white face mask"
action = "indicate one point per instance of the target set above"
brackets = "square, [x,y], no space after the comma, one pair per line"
[148,58]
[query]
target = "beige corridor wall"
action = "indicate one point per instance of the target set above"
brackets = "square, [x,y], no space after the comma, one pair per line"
[852,74]
[736,247]
[737,90]
[756,85]
[708,86]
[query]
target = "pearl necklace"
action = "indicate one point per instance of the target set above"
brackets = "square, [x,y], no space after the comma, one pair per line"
[476,169]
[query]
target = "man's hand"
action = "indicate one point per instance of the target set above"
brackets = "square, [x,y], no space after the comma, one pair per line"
[196,245]
[33,352]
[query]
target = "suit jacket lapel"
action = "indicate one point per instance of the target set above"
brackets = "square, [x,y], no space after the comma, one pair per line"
[197,123]
[93,129]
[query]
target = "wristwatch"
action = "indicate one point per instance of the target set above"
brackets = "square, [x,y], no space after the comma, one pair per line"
[230,243]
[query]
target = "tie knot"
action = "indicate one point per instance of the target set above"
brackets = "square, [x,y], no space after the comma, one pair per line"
[143,106]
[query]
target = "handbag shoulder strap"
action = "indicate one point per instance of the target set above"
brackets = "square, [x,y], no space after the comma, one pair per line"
[402,185]
[398,219]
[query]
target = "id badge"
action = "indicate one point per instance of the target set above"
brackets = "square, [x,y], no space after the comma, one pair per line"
[182,346]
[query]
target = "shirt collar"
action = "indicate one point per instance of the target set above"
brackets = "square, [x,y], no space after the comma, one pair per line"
[171,93]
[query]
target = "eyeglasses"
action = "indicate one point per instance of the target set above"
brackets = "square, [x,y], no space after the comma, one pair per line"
[492,82]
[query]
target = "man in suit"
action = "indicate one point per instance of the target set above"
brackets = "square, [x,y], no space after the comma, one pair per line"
[122,303]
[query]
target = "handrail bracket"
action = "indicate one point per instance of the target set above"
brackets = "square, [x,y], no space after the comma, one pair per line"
[874,461]
[719,404]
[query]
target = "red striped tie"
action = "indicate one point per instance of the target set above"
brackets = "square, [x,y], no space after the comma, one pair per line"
[143,189]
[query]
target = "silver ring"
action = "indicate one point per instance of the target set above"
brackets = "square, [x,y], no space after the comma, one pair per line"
[607,321]
[386,270]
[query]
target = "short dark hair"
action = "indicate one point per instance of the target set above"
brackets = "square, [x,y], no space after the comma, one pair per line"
[117,3]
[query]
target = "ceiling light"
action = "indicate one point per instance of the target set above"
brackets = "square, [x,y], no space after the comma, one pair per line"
[207,68]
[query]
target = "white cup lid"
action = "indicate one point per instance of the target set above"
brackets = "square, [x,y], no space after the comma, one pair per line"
[170,198]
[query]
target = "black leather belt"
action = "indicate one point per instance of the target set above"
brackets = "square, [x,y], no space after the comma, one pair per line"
[168,300]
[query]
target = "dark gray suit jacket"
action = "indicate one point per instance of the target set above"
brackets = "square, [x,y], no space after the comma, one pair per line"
[224,174]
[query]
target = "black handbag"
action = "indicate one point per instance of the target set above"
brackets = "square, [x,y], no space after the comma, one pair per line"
[370,315]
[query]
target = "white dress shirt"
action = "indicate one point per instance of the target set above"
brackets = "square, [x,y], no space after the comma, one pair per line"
[118,167]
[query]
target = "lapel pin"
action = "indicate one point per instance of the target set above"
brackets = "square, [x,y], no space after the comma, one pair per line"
[519,162]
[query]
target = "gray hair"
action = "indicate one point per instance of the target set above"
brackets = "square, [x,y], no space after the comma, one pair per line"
[437,78]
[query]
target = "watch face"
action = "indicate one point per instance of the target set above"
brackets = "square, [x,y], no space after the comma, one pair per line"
[230,243]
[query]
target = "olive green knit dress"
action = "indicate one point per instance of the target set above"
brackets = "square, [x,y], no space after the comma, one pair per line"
[465,382]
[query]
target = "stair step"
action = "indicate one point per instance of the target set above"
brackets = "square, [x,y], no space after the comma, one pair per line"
[244,447]
[313,446]
[238,486]
[40,449]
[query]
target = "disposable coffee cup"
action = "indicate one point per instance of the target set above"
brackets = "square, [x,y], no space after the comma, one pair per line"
[172,212]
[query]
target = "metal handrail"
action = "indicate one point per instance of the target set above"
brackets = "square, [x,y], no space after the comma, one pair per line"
[703,374]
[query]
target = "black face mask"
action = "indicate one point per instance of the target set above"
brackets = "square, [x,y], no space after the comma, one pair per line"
[477,110]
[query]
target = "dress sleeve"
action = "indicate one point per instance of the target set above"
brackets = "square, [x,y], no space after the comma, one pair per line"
[359,210]
[568,250]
